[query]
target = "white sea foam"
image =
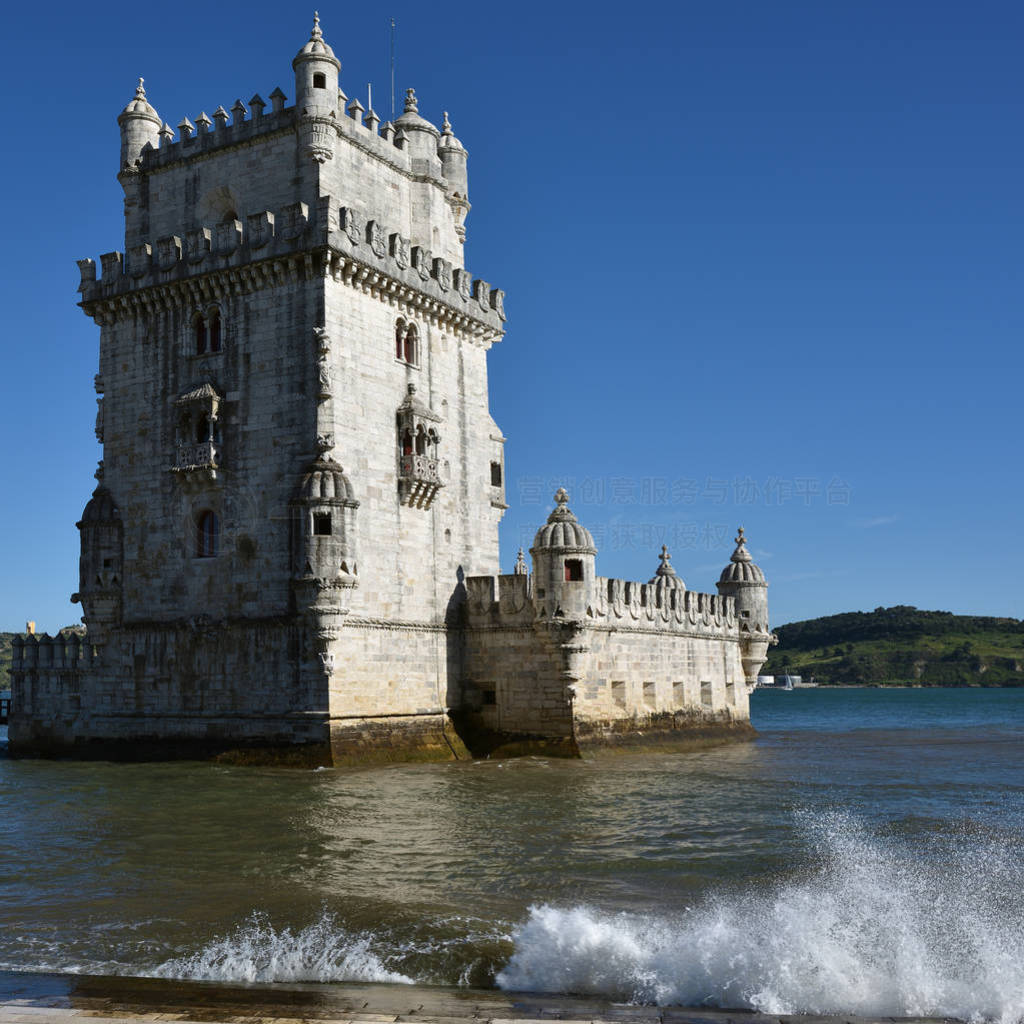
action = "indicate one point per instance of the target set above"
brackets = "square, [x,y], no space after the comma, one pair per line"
[257,952]
[879,927]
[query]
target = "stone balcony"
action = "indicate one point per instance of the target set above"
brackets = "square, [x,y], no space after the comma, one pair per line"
[419,480]
[199,458]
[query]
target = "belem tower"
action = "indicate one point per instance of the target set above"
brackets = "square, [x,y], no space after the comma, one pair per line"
[292,550]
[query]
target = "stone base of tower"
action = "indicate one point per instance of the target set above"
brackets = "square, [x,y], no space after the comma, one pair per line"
[396,738]
[666,731]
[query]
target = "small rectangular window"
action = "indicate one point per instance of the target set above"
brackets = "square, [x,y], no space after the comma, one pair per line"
[319,80]
[705,694]
[322,524]
[495,474]
[488,697]
[619,692]
[573,570]
[650,694]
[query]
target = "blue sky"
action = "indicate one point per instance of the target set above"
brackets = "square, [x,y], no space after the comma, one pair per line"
[763,262]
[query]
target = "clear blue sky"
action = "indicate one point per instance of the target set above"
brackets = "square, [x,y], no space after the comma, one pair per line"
[763,262]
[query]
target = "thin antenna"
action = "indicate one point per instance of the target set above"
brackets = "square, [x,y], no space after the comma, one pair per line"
[369,96]
[392,69]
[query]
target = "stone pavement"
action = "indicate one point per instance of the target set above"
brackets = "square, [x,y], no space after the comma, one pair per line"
[73,999]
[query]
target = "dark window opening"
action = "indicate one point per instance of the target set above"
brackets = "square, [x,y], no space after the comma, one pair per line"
[573,570]
[107,563]
[200,335]
[208,534]
[203,429]
[322,524]
[488,698]
[421,442]
[407,443]
[495,474]
[214,332]
[399,339]
[319,80]
[410,345]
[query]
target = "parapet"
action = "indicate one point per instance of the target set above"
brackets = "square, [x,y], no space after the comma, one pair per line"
[347,243]
[495,601]
[42,652]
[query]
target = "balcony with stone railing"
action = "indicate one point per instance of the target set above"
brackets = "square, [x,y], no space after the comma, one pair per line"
[197,457]
[419,480]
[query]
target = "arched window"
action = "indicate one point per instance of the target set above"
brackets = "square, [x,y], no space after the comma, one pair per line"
[207,534]
[400,339]
[199,329]
[213,330]
[411,344]
[421,441]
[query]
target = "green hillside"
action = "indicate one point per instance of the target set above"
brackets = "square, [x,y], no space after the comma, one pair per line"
[902,645]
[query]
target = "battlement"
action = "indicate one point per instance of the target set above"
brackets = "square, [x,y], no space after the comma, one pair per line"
[248,123]
[507,600]
[34,652]
[345,242]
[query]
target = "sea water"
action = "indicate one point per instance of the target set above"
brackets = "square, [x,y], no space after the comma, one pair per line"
[865,854]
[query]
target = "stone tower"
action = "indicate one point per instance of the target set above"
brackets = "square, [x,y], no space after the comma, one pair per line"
[299,463]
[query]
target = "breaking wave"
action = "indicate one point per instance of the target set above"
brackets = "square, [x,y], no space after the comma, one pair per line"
[257,952]
[880,926]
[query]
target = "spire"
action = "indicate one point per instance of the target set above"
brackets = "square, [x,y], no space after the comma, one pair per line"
[665,569]
[741,554]
[446,128]
[520,566]
[316,35]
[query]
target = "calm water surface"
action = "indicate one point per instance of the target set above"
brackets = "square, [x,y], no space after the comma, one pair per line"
[864,854]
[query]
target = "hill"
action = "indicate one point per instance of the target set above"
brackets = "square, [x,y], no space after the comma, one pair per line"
[902,645]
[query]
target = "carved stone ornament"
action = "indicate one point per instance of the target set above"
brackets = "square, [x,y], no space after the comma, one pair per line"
[421,260]
[443,274]
[463,283]
[323,378]
[498,302]
[260,228]
[99,420]
[377,237]
[482,294]
[351,224]
[324,442]
[400,251]
[322,339]
[168,252]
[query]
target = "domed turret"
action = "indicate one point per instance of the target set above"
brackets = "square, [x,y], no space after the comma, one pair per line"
[744,581]
[563,564]
[140,124]
[453,160]
[323,520]
[422,137]
[316,75]
[665,580]
[101,534]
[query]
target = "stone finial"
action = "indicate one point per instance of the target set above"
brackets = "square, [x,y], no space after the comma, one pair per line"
[388,131]
[140,92]
[446,127]
[166,134]
[371,120]
[400,139]
[411,106]
[741,554]
[665,569]
[520,566]
[238,111]
[256,105]
[355,111]
[316,35]
[561,497]
[203,123]
[186,128]
[220,115]
[277,98]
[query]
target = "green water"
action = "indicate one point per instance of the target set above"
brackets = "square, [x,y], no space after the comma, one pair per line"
[862,854]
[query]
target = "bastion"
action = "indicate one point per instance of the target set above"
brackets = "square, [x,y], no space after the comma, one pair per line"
[292,550]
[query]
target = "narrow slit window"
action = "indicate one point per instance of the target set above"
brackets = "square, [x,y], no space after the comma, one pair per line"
[495,474]
[208,534]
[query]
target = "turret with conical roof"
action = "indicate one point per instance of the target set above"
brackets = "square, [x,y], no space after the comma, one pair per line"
[140,124]
[563,564]
[316,94]
[743,580]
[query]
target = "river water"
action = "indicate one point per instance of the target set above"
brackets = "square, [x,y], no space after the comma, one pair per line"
[865,854]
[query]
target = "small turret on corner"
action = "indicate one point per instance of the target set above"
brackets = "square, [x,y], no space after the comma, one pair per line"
[743,580]
[140,125]
[100,566]
[453,166]
[316,94]
[422,137]
[563,565]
